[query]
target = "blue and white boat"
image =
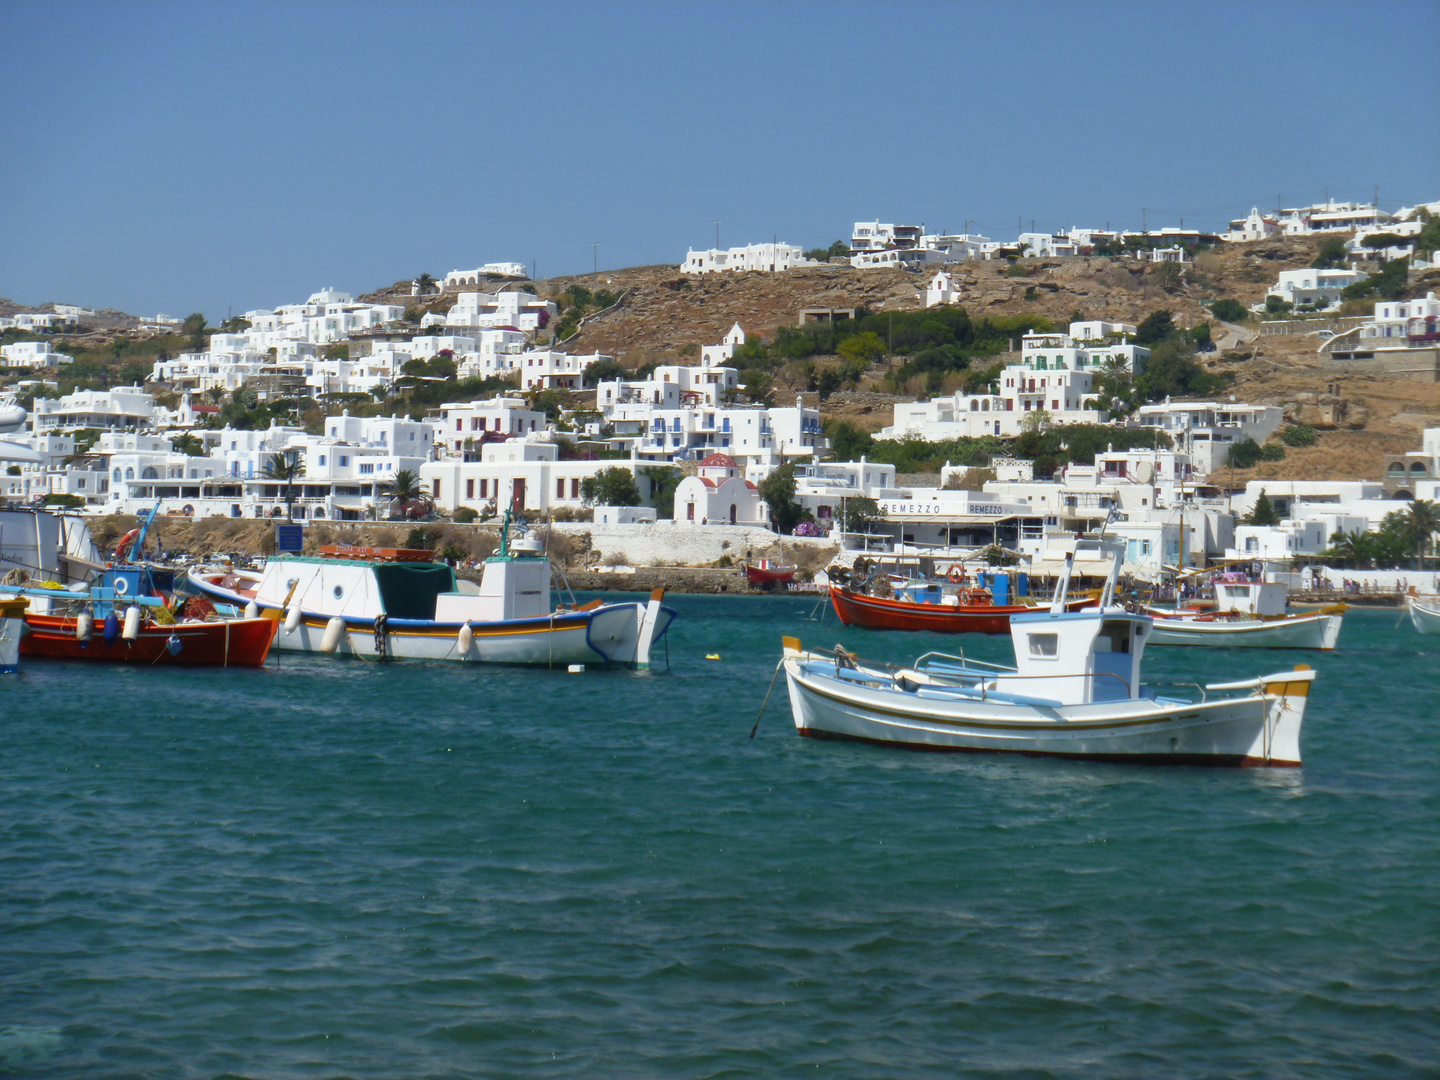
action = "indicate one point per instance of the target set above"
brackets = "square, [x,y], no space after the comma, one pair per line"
[1075,691]
[388,603]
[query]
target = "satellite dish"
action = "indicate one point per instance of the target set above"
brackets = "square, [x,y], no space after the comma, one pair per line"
[1146,472]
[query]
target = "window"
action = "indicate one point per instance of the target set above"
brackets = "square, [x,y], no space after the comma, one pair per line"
[344,460]
[470,489]
[322,459]
[575,487]
[435,485]
[367,468]
[560,488]
[1047,645]
[484,489]
[690,511]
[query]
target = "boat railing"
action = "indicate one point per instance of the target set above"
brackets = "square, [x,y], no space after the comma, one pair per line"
[961,660]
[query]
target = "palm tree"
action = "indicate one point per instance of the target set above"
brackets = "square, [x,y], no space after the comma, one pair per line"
[406,490]
[1422,520]
[424,283]
[188,445]
[288,470]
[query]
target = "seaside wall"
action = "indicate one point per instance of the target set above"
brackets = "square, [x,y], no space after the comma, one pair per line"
[672,543]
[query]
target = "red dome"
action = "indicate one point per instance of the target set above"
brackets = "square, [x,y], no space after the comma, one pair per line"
[719,461]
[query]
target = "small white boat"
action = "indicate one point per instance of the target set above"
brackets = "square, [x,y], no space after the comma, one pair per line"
[1074,692]
[1425,613]
[1248,615]
[12,627]
[396,603]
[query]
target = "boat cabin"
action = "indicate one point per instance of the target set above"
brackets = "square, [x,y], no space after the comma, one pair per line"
[1085,656]
[1256,598]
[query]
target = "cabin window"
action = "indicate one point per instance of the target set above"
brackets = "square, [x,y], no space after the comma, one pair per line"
[1238,591]
[1044,644]
[339,592]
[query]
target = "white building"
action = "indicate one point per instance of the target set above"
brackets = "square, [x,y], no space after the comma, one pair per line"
[1046,245]
[823,488]
[519,310]
[1098,330]
[481,274]
[768,258]
[1397,325]
[524,473]
[32,354]
[943,289]
[1317,288]
[717,494]
[874,236]
[1206,430]
[1255,226]
[713,356]
[464,426]
[1055,373]
[549,369]
[1330,217]
[117,408]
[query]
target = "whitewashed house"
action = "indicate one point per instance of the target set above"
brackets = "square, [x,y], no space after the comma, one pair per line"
[475,310]
[463,426]
[765,258]
[117,408]
[32,354]
[1206,430]
[524,473]
[1055,373]
[1316,288]
[1254,226]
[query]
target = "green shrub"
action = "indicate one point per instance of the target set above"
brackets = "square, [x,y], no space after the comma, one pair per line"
[465,515]
[1298,435]
[1229,310]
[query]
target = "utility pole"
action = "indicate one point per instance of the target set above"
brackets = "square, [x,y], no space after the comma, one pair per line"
[1144,224]
[717,234]
[595,251]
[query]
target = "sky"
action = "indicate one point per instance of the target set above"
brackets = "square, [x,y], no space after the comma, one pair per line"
[218,157]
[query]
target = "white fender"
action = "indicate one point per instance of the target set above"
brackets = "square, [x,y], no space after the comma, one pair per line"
[334,631]
[131,630]
[252,610]
[84,626]
[292,618]
[464,640]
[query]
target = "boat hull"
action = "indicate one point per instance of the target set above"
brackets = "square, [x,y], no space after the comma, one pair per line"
[1259,730]
[228,643]
[1294,632]
[607,634]
[759,575]
[1425,615]
[872,612]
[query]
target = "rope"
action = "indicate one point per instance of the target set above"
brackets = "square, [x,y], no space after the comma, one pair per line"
[767,697]
[382,643]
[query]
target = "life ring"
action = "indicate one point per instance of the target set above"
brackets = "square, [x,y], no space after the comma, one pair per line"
[125,542]
[956,574]
[121,586]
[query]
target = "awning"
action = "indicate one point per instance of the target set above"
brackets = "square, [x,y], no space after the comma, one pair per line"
[1096,568]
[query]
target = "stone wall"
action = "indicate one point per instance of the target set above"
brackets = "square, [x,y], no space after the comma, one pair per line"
[671,543]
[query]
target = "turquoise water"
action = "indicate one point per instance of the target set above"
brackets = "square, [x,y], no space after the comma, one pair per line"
[347,869]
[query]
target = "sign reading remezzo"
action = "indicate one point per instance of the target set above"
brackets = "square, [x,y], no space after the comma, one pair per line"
[937,509]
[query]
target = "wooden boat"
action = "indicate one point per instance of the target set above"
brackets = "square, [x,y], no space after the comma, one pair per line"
[974,612]
[1247,615]
[221,643]
[398,604]
[1424,613]
[1074,692]
[765,572]
[12,626]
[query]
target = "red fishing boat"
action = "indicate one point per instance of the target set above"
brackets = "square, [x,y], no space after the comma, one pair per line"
[974,613]
[765,572]
[224,643]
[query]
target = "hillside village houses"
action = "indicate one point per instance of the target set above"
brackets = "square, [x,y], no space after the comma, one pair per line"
[1206,430]
[1405,332]
[1055,372]
[1316,288]
[766,258]
[717,493]
[479,275]
[32,354]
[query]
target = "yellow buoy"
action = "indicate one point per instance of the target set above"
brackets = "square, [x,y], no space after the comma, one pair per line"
[712,656]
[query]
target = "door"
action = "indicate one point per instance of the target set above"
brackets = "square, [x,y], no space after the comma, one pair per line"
[517,497]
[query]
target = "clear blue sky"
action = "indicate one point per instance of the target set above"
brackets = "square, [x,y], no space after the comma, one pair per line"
[201,156]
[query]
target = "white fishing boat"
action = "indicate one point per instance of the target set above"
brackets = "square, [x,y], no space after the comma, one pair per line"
[1247,615]
[1425,613]
[396,603]
[1074,692]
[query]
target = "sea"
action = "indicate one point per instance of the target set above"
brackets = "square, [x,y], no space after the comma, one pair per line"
[333,868]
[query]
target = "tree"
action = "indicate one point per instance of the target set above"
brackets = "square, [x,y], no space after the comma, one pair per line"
[865,346]
[857,514]
[663,481]
[406,492]
[1228,310]
[1036,421]
[847,441]
[1115,387]
[778,491]
[1298,435]
[1275,305]
[1376,241]
[194,328]
[1332,254]
[1263,512]
[1422,521]
[835,250]
[614,486]
[188,445]
[1158,326]
[424,283]
[604,371]
[287,470]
